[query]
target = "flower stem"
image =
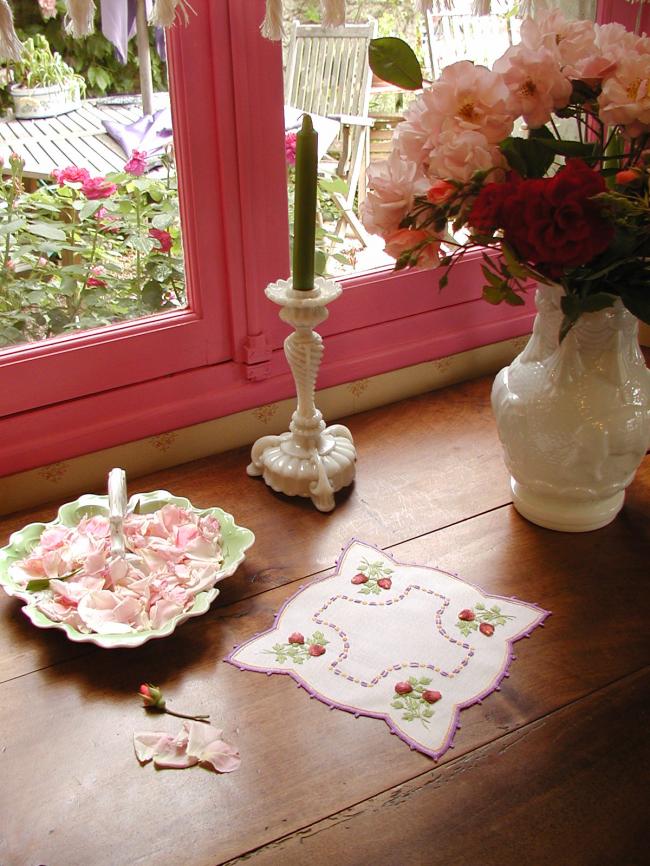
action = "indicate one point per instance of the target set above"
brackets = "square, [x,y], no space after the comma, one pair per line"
[185,716]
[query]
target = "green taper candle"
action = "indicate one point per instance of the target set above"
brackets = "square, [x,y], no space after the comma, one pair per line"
[304,211]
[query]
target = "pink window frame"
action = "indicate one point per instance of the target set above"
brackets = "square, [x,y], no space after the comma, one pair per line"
[83,393]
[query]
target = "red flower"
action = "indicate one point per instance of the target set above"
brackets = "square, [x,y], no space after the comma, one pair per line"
[385,583]
[163,238]
[359,578]
[486,213]
[95,188]
[94,281]
[290,140]
[554,223]
[467,615]
[628,175]
[71,174]
[430,696]
[296,637]
[486,628]
[403,688]
[316,649]
[137,164]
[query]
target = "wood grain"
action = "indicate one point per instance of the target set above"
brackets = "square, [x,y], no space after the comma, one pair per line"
[569,788]
[568,721]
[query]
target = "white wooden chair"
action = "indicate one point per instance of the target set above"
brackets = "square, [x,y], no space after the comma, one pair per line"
[327,74]
[483,39]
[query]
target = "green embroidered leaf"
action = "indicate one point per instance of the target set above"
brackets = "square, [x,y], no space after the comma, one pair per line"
[480,606]
[398,705]
[428,713]
[425,681]
[408,717]
[413,681]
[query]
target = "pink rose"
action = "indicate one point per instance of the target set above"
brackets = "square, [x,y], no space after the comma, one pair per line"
[440,191]
[137,164]
[163,238]
[536,82]
[71,174]
[425,247]
[459,155]
[95,188]
[290,147]
[394,184]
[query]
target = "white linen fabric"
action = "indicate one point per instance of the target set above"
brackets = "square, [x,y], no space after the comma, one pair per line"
[408,644]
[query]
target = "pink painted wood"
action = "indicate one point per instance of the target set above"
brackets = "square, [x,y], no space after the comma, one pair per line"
[82,393]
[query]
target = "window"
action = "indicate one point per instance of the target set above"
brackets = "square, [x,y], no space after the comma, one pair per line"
[82,393]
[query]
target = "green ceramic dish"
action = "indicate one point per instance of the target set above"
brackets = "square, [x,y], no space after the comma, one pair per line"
[235,542]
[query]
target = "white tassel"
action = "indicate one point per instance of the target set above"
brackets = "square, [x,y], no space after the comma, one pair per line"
[272,25]
[482,7]
[10,46]
[333,13]
[80,17]
[427,5]
[164,12]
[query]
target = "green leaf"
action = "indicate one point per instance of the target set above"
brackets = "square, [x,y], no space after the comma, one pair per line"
[392,60]
[320,263]
[152,295]
[46,230]
[398,705]
[88,209]
[37,585]
[597,301]
[11,226]
[493,295]
[528,156]
[513,299]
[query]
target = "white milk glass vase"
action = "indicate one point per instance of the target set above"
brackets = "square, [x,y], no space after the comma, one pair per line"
[574,417]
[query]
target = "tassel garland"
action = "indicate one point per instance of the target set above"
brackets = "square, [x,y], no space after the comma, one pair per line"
[80,17]
[9,43]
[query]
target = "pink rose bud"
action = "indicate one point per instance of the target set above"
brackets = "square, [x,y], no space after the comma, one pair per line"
[403,688]
[359,578]
[486,629]
[430,696]
[467,615]
[440,191]
[296,637]
[628,175]
[385,583]
[152,697]
[316,649]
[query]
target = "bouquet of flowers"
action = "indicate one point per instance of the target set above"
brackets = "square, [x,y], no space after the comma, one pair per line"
[565,200]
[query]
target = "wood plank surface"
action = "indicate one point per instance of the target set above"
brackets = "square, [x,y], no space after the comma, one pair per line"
[544,771]
[499,805]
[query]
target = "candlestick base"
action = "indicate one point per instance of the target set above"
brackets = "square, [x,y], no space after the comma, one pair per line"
[311,460]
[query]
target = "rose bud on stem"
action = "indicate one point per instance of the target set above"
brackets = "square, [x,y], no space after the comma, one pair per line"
[154,702]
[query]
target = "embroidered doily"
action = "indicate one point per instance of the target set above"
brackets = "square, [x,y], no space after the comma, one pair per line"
[408,644]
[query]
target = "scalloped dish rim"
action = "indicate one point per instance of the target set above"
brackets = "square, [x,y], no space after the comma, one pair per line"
[87,501]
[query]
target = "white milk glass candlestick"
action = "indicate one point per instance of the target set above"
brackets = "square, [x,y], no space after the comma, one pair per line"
[311,460]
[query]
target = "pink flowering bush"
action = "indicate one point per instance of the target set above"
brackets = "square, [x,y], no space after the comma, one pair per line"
[86,251]
[574,210]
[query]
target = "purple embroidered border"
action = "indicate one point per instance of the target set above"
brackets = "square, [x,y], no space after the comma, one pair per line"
[357,711]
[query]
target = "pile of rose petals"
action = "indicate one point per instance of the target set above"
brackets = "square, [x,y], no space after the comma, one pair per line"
[172,555]
[196,742]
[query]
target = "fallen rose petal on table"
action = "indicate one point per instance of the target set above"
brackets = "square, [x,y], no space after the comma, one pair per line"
[194,743]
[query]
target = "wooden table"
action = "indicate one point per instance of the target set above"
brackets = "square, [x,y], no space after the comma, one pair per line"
[550,770]
[76,138]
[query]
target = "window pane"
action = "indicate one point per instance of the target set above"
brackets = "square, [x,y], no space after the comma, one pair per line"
[100,242]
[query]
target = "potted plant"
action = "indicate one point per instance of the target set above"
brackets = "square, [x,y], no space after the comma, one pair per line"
[44,85]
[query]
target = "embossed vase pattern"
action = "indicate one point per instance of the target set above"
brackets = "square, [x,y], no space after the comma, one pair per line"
[574,417]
